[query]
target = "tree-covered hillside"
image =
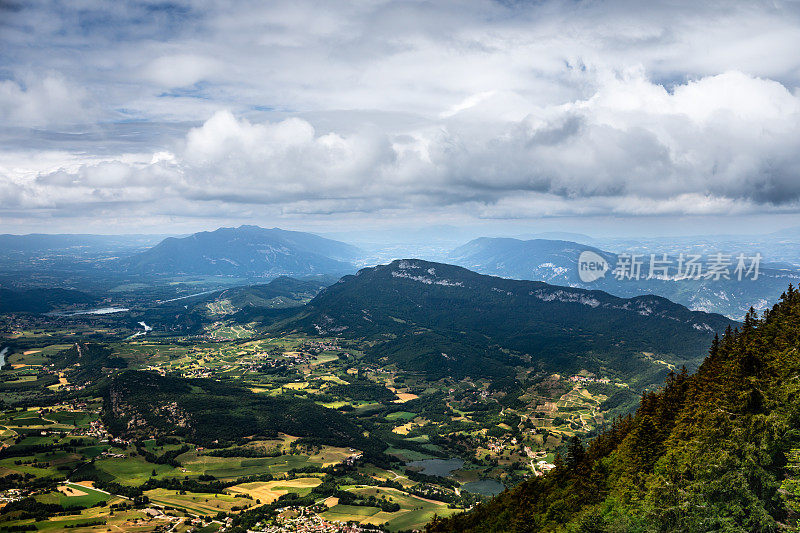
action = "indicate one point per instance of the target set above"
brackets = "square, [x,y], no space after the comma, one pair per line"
[281,292]
[138,404]
[713,451]
[446,320]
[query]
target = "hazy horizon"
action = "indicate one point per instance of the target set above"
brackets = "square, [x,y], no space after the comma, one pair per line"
[411,233]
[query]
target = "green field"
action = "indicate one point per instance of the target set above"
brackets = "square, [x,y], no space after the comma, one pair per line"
[195,503]
[229,468]
[131,470]
[72,495]
[414,512]
[401,415]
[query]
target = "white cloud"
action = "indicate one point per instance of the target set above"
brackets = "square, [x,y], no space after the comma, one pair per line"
[499,109]
[43,100]
[276,162]
[632,148]
[180,70]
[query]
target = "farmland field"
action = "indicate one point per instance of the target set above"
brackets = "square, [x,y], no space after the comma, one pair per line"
[411,412]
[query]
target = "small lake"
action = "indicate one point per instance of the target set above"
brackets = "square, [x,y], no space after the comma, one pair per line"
[100,311]
[437,467]
[3,356]
[485,487]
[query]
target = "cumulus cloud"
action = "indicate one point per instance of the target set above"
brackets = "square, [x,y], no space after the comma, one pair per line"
[709,146]
[277,162]
[729,135]
[43,100]
[497,109]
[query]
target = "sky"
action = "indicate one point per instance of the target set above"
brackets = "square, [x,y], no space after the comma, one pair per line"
[505,116]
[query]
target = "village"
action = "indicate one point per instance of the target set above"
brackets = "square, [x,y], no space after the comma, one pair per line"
[306,520]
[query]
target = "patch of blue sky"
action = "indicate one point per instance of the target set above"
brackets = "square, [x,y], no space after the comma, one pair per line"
[197,90]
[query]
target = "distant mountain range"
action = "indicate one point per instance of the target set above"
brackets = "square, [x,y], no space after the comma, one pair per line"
[67,254]
[246,251]
[555,261]
[445,320]
[38,242]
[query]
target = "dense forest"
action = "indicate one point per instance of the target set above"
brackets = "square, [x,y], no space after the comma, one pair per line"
[713,451]
[213,413]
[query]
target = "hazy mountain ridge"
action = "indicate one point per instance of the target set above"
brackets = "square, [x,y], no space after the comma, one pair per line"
[556,262]
[247,251]
[552,261]
[37,242]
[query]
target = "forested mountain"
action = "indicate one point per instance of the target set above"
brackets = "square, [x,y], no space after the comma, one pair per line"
[278,293]
[246,251]
[715,451]
[448,321]
[556,261]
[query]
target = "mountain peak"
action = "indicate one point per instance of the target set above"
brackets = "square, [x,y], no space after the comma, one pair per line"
[428,309]
[247,251]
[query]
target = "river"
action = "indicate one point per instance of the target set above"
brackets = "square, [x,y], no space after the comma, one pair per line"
[140,333]
[187,296]
[99,311]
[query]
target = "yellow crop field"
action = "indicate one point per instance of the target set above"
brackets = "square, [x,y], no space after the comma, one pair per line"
[269,491]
